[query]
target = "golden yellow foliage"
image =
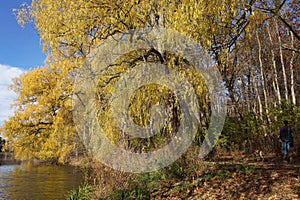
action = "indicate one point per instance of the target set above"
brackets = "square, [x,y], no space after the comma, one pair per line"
[42,126]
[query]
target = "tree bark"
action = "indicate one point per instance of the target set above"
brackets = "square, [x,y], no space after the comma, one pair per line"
[256,90]
[292,71]
[275,79]
[262,76]
[282,63]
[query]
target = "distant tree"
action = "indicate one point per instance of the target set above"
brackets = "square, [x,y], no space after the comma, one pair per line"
[42,125]
[2,143]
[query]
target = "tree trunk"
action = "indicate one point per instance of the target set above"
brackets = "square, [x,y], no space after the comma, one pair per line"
[292,71]
[282,64]
[262,76]
[275,78]
[256,90]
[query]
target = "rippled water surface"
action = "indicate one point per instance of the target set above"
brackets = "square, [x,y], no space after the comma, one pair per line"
[22,182]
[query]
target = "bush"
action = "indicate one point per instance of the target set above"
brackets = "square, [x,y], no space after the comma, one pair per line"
[137,193]
[82,193]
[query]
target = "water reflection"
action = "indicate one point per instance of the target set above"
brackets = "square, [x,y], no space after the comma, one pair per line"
[37,182]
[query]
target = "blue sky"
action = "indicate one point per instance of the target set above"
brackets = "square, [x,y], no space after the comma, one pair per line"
[19,47]
[20,51]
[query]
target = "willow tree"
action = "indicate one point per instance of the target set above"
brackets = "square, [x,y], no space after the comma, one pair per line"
[70,29]
[42,125]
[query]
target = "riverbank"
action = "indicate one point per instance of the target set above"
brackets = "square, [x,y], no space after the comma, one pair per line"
[7,158]
[230,178]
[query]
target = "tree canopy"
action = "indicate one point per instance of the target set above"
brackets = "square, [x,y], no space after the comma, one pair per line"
[254,44]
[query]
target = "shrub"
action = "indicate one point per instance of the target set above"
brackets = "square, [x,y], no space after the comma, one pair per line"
[81,193]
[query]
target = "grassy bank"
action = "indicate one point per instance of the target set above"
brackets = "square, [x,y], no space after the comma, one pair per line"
[237,178]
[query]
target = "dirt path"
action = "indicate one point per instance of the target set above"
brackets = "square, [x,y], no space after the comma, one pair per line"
[282,178]
[271,179]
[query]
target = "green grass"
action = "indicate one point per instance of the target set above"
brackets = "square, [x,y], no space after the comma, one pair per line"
[81,193]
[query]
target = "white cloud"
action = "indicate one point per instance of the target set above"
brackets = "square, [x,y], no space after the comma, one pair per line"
[7,73]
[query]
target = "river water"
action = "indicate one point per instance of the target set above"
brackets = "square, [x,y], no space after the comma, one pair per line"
[22,182]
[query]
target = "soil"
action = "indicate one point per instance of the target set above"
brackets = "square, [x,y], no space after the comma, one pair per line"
[239,178]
